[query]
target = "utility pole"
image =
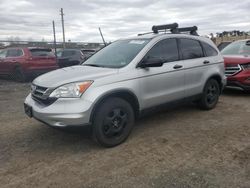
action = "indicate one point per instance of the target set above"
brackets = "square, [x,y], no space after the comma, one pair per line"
[62,14]
[54,33]
[102,36]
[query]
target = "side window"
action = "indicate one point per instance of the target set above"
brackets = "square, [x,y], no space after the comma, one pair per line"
[3,53]
[209,50]
[191,49]
[166,50]
[14,53]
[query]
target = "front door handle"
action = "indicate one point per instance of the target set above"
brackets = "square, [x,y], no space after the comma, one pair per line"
[177,66]
[206,62]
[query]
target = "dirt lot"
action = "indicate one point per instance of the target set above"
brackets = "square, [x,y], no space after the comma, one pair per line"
[182,147]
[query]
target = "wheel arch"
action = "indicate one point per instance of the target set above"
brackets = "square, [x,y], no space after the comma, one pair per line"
[218,78]
[125,94]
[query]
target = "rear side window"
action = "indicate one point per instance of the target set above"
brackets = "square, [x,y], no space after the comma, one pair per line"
[209,50]
[166,49]
[191,49]
[14,53]
[41,52]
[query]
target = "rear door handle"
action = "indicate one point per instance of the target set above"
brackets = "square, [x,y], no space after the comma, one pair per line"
[206,62]
[177,66]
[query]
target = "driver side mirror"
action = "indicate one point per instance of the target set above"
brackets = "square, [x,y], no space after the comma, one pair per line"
[151,62]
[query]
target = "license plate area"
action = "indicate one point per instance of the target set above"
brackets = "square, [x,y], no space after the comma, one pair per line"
[28,110]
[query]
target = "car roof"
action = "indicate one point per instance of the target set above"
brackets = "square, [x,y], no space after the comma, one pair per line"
[163,35]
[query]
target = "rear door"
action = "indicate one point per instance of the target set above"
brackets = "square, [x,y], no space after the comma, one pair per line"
[159,85]
[13,57]
[195,65]
[43,59]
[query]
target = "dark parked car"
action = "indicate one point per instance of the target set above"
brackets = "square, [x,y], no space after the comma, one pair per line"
[21,63]
[88,52]
[223,45]
[70,57]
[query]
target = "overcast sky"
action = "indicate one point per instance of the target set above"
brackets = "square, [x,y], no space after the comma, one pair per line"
[121,18]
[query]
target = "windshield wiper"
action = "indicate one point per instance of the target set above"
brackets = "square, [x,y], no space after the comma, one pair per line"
[93,65]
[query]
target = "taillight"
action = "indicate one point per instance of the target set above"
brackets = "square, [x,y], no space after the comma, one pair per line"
[246,66]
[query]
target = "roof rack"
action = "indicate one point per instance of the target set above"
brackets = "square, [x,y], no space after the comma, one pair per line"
[192,30]
[173,29]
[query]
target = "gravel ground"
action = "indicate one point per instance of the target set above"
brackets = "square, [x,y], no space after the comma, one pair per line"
[181,147]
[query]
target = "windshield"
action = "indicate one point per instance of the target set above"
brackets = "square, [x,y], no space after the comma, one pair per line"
[117,54]
[237,48]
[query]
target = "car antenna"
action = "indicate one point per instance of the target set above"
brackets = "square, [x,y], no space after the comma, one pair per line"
[102,37]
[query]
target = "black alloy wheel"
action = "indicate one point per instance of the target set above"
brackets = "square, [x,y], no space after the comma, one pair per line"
[210,95]
[113,122]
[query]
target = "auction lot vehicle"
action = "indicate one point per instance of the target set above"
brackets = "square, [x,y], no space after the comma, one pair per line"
[237,63]
[223,45]
[88,52]
[130,75]
[25,62]
[70,57]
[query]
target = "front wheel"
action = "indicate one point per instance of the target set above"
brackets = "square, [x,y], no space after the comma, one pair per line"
[210,95]
[113,122]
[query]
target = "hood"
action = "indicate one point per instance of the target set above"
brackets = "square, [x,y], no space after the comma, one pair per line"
[72,74]
[236,59]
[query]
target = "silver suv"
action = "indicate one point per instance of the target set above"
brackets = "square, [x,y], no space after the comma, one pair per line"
[112,88]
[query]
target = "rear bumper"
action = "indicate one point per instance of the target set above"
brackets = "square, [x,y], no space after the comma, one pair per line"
[61,113]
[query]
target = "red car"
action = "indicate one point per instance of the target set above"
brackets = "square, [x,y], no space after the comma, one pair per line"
[237,64]
[22,63]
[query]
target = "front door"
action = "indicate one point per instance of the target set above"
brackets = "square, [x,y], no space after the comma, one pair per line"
[159,85]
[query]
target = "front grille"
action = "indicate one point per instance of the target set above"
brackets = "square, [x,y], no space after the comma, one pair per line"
[231,70]
[41,95]
[47,101]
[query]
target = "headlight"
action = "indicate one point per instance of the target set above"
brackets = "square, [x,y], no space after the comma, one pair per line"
[246,66]
[71,90]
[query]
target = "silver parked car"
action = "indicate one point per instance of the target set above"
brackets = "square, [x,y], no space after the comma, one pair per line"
[130,75]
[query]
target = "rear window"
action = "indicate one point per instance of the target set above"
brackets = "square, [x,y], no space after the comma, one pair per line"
[41,52]
[68,53]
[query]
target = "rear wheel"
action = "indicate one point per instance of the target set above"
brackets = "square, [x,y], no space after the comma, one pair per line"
[19,75]
[210,95]
[113,122]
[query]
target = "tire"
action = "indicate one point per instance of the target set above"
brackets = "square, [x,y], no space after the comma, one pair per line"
[113,122]
[210,95]
[19,75]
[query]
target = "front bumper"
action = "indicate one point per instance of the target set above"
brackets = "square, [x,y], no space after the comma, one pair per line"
[238,85]
[240,80]
[63,112]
